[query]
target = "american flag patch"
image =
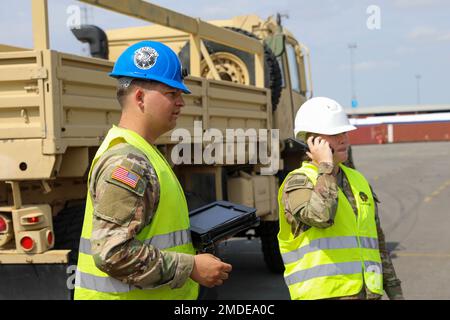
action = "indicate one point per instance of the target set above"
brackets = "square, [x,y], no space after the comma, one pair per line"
[125,176]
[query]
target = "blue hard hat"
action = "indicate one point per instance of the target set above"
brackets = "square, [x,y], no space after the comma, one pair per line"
[150,60]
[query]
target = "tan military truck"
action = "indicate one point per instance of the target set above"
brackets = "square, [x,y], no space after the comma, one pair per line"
[248,77]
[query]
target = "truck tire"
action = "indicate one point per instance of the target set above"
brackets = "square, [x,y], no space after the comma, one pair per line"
[272,71]
[67,226]
[268,231]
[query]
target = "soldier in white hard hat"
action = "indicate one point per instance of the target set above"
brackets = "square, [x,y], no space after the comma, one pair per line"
[330,237]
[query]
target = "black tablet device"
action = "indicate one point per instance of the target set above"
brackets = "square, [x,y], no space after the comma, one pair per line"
[219,220]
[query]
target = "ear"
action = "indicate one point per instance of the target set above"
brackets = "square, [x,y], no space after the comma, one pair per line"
[138,97]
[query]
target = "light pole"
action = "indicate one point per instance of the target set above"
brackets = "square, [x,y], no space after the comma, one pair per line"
[354,102]
[418,77]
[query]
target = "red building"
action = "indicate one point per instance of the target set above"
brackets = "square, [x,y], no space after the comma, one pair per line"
[378,125]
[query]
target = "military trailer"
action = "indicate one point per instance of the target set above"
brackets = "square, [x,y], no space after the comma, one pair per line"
[248,77]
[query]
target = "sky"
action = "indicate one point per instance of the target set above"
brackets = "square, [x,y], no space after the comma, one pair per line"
[396,41]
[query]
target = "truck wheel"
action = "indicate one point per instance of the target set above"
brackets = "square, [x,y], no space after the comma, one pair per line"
[67,226]
[268,231]
[238,66]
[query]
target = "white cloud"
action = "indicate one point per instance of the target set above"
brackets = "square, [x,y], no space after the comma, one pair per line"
[444,36]
[371,65]
[402,50]
[426,33]
[208,10]
[423,32]
[417,3]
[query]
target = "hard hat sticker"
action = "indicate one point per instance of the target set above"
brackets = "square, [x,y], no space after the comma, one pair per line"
[145,58]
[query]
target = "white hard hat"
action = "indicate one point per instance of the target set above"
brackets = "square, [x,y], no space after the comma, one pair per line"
[321,115]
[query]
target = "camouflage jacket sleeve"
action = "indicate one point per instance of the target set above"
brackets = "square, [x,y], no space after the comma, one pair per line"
[307,205]
[391,283]
[121,211]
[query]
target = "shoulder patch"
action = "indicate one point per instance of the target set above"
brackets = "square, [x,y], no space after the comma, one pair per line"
[297,182]
[126,176]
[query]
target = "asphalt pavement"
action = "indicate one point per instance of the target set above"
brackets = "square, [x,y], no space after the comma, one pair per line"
[412,181]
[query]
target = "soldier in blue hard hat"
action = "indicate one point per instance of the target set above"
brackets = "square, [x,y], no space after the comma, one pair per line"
[135,242]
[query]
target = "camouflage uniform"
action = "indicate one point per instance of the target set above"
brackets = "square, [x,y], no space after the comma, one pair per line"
[309,206]
[120,213]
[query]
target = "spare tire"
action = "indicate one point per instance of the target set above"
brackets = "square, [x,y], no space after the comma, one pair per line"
[272,71]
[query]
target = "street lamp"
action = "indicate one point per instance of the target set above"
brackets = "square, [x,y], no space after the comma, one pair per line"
[354,102]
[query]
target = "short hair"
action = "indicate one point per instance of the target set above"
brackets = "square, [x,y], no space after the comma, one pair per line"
[126,85]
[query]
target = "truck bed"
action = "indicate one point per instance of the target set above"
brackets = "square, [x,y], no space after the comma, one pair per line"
[55,108]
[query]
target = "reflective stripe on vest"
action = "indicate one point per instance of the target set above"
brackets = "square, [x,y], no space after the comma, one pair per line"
[162,241]
[329,243]
[102,284]
[335,261]
[168,230]
[331,270]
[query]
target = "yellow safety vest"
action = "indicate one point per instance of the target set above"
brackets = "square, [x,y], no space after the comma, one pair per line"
[333,262]
[169,231]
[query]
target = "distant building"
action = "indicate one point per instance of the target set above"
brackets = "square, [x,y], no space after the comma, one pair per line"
[390,124]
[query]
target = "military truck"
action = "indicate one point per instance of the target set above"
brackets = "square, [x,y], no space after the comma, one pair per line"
[247,75]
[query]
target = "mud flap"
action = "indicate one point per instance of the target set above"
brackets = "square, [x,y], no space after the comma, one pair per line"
[36,282]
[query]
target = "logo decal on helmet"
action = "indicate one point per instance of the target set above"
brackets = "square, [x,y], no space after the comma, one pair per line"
[145,58]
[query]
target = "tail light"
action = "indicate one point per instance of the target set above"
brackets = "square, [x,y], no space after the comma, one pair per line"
[49,238]
[27,243]
[33,220]
[6,230]
[33,229]
[3,225]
